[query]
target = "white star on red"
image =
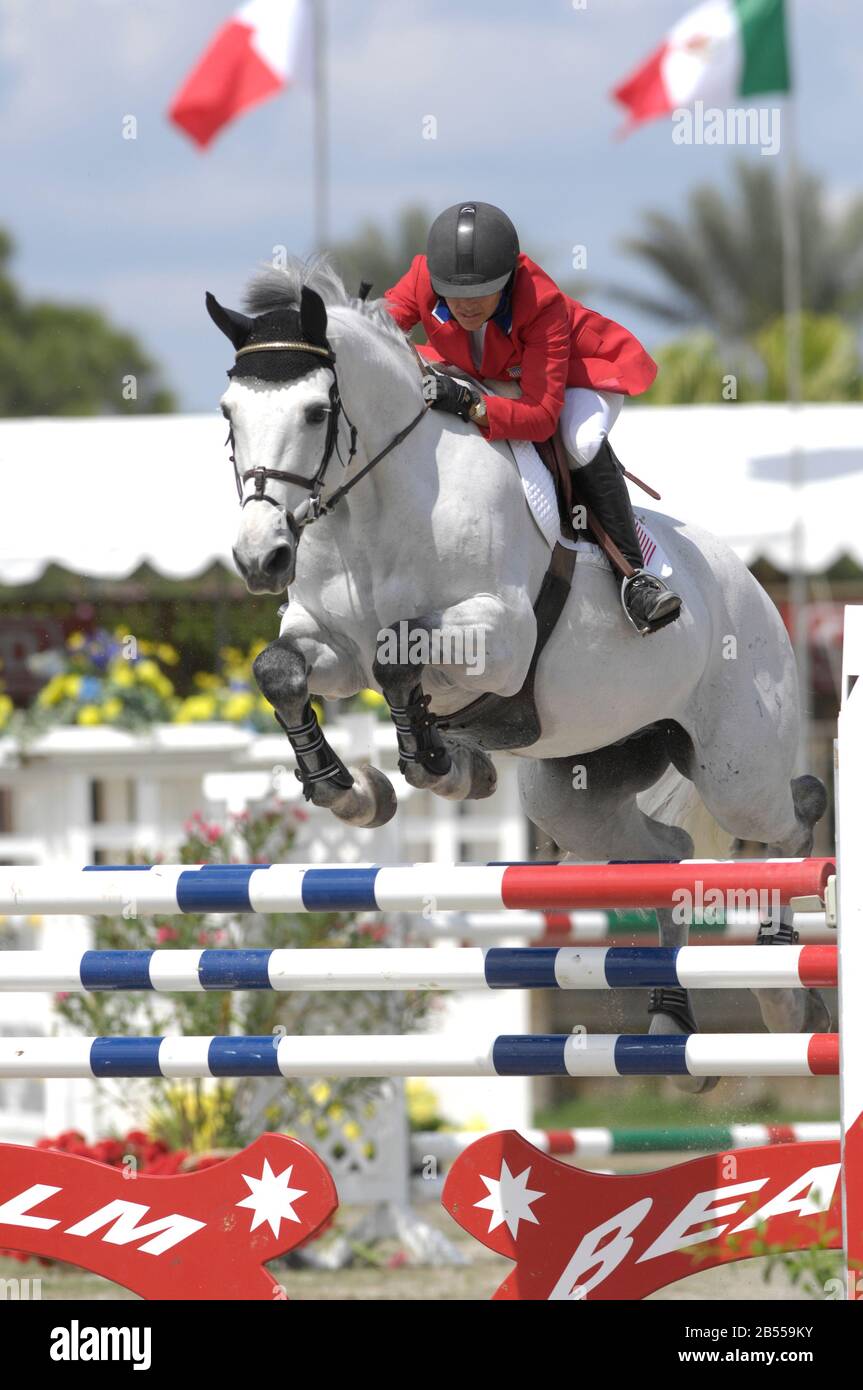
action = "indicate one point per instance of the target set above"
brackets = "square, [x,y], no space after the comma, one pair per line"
[271,1198]
[509,1199]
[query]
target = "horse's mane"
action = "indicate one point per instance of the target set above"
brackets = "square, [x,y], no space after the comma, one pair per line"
[280,287]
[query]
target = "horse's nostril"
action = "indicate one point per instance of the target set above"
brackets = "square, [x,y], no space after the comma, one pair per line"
[278,557]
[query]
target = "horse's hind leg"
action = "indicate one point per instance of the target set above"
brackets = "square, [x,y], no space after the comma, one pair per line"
[587,804]
[752,795]
[794,1010]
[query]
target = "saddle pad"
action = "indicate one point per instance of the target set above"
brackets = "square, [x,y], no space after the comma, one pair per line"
[538,486]
[539,491]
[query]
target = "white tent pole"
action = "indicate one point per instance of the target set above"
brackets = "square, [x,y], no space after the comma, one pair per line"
[792,292]
[321,144]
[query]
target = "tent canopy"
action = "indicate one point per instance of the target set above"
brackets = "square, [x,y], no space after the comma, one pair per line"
[102,496]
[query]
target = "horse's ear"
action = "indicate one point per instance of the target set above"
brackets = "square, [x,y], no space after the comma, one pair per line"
[233,324]
[313,317]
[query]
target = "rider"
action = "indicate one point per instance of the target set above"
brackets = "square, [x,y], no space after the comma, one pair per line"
[492,311]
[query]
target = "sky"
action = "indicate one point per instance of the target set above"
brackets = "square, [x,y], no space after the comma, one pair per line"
[141,228]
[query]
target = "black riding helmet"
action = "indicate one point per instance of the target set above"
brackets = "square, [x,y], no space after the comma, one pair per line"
[472,250]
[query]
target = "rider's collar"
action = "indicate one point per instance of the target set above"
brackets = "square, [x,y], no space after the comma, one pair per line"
[502,315]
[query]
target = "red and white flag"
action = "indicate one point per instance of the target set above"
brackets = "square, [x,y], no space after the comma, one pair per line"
[262,49]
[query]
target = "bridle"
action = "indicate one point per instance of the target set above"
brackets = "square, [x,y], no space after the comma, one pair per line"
[310,511]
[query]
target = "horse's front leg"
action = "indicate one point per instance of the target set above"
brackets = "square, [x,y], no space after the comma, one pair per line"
[473,647]
[362,797]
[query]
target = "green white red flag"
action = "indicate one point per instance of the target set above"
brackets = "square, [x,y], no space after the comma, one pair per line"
[720,53]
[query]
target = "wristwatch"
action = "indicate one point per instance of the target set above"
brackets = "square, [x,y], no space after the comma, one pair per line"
[478,412]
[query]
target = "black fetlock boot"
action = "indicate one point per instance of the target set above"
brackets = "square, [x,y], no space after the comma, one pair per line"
[647,602]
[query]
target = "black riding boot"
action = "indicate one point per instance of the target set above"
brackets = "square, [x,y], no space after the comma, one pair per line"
[647,601]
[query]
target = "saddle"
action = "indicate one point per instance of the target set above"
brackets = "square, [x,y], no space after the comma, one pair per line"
[500,722]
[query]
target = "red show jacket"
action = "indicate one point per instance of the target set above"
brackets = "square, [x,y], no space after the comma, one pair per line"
[538,336]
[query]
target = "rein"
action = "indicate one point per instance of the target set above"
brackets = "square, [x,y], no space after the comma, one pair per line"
[315,507]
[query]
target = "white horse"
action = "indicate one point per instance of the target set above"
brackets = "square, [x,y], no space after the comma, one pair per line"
[421,582]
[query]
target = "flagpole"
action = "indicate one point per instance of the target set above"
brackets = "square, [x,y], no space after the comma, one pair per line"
[792,290]
[321,118]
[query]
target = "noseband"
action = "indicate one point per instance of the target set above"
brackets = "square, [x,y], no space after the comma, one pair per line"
[315,507]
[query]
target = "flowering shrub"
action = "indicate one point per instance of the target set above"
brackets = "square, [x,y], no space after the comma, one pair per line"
[230,694]
[109,679]
[121,680]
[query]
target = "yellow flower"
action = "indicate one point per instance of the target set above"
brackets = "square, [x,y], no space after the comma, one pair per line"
[122,674]
[53,692]
[257,647]
[71,685]
[371,699]
[6,708]
[112,708]
[166,653]
[195,708]
[205,680]
[89,714]
[147,671]
[422,1104]
[75,641]
[320,1092]
[238,706]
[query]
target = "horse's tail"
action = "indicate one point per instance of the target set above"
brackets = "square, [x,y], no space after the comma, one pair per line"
[673,800]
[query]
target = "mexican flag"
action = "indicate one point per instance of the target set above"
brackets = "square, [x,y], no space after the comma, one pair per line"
[262,49]
[720,53]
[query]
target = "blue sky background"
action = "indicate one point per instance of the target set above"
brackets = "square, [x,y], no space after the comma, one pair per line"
[520,92]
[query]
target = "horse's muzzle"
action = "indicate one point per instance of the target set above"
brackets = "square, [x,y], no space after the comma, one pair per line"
[270,573]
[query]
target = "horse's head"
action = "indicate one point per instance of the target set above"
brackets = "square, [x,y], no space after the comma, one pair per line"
[282,407]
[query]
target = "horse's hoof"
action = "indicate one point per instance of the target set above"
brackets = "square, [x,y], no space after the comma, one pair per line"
[370,802]
[692,1085]
[471,776]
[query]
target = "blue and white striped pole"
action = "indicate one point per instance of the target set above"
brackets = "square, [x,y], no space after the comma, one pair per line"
[613,1054]
[424,968]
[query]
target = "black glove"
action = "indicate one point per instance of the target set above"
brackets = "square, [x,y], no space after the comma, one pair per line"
[443,392]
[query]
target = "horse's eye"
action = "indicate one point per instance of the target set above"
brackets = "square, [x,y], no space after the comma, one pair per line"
[316,414]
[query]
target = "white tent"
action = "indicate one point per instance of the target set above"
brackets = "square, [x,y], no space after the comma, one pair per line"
[101,496]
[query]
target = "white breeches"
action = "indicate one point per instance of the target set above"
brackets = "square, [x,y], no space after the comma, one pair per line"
[586,420]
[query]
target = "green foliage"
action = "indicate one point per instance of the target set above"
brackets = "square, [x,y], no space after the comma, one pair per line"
[210,1114]
[831,360]
[698,370]
[721,267]
[373,255]
[67,359]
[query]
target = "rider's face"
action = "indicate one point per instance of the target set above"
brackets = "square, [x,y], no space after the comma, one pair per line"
[473,313]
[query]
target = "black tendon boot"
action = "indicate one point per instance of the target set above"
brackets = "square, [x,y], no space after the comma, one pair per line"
[647,602]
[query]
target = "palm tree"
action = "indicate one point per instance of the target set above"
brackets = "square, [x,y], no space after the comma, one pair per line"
[382,257]
[722,267]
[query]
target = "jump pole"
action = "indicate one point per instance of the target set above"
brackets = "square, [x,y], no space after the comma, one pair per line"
[423,968]
[237,888]
[566,1054]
